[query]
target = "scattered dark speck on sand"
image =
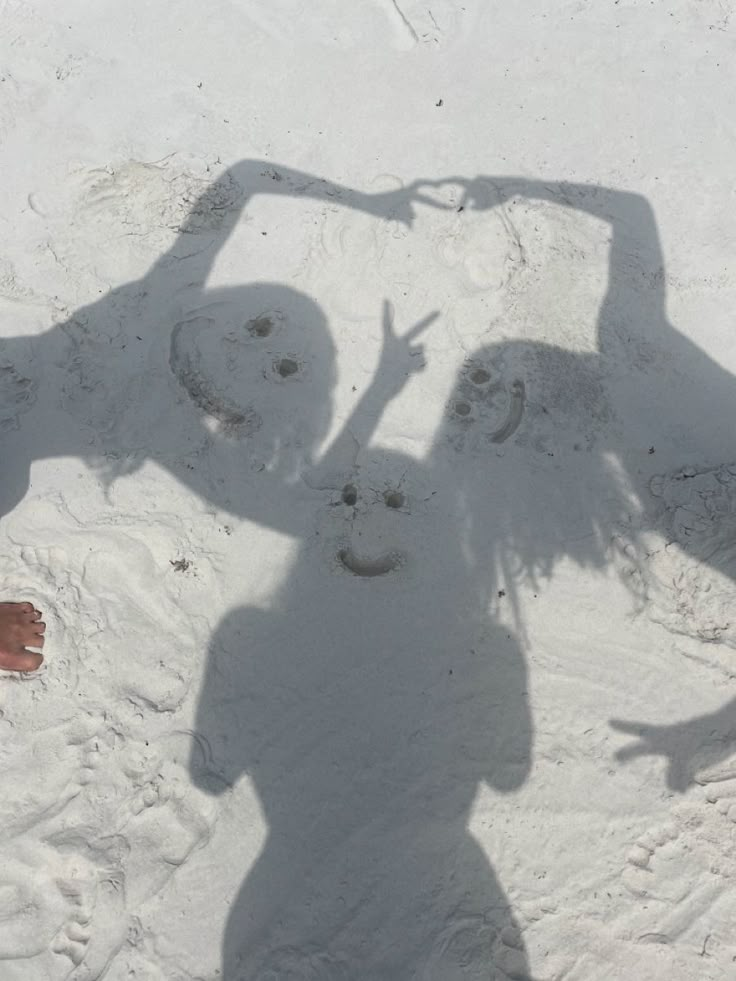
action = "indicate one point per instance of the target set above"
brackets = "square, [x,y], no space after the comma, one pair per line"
[651,450]
[438,104]
[501,593]
[180,565]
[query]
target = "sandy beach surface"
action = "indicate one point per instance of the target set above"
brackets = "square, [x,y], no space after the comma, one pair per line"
[367,400]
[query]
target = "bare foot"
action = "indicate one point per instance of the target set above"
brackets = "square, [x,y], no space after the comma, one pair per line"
[21,627]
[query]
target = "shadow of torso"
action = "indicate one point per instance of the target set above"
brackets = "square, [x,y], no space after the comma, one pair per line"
[367,711]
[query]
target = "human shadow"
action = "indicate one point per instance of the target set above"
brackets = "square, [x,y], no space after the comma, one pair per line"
[368,705]
[371,702]
[377,695]
[125,379]
[408,705]
[647,372]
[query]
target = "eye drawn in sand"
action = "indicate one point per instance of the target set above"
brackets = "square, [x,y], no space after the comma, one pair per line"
[479,376]
[264,324]
[394,499]
[350,495]
[287,367]
[461,409]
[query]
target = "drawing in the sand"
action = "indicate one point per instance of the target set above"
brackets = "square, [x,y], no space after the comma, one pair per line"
[379,691]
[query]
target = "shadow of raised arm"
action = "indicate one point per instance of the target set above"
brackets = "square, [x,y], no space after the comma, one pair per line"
[216,212]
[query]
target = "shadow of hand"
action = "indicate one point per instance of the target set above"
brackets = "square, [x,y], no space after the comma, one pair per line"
[399,205]
[400,357]
[688,746]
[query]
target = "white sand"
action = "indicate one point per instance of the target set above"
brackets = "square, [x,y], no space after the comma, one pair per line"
[289,728]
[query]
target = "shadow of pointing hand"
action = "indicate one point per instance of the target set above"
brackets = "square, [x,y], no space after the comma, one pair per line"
[689,746]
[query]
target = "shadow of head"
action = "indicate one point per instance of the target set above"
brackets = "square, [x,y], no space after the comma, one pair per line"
[258,361]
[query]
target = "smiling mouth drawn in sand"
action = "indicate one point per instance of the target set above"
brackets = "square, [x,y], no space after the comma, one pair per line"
[367,567]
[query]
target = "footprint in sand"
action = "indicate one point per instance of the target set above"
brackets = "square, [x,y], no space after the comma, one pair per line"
[140,815]
[723,795]
[44,771]
[162,825]
[682,873]
[657,851]
[69,902]
[62,916]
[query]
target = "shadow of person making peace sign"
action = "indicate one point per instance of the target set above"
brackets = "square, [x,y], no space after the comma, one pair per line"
[368,705]
[111,365]
[374,698]
[377,694]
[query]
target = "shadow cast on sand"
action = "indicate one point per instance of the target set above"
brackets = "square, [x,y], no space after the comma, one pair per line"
[377,694]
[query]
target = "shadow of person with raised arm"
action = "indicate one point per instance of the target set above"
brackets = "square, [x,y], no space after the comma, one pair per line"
[126,379]
[653,387]
[375,698]
[378,694]
[368,706]
[128,371]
